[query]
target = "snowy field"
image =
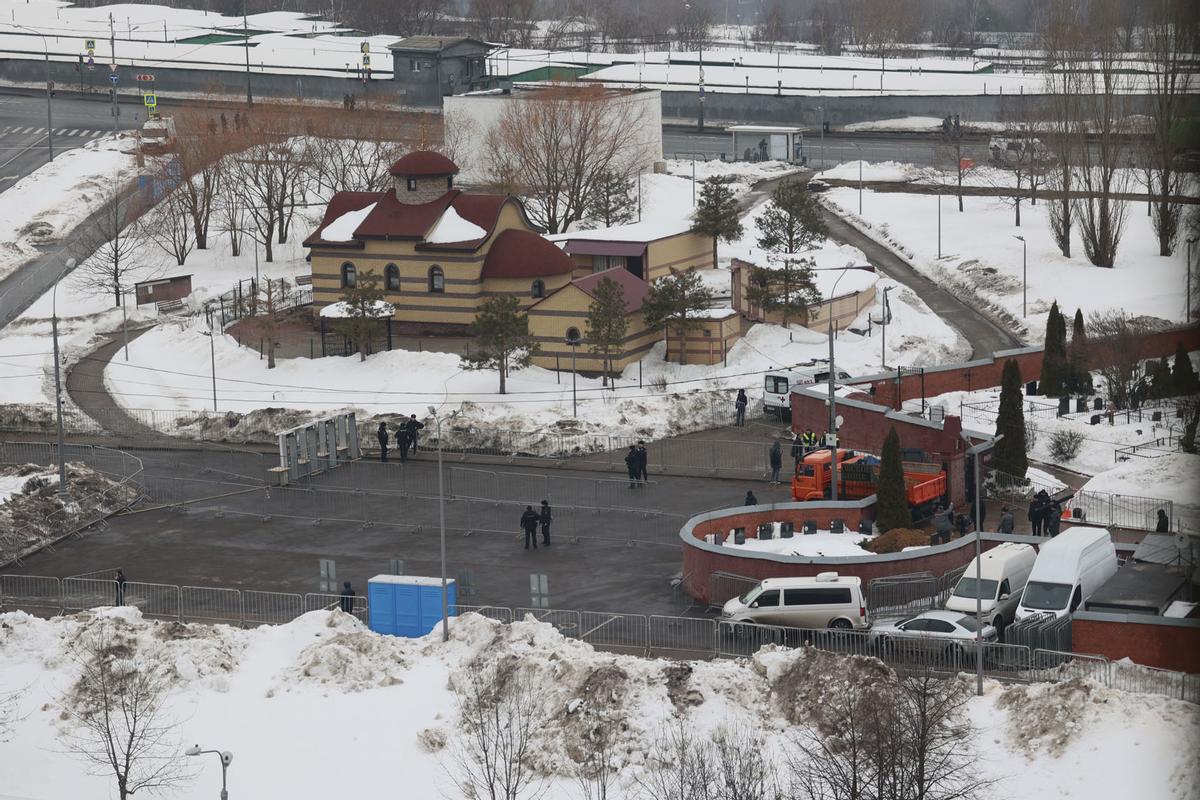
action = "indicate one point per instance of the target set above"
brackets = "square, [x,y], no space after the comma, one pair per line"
[982,258]
[323,708]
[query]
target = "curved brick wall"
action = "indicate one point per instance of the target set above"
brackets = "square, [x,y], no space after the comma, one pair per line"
[701,560]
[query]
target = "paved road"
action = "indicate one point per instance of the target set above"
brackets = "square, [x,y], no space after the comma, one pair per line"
[23,131]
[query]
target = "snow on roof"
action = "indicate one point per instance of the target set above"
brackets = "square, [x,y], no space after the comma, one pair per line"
[453,228]
[342,229]
[763,129]
[340,310]
[648,231]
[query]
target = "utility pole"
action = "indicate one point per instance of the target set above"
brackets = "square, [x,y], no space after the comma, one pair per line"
[246,43]
[112,44]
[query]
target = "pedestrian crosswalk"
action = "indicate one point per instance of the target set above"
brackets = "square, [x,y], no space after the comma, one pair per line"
[78,133]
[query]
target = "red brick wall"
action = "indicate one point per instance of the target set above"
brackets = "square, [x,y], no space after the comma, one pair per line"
[866,428]
[985,373]
[1174,647]
[750,520]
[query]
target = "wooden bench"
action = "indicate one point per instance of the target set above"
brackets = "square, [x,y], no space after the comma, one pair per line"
[304,280]
[169,306]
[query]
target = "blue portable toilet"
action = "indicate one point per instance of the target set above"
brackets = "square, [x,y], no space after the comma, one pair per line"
[408,605]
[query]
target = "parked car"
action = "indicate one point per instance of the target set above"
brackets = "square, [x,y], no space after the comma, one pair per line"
[1002,574]
[942,633]
[1068,570]
[825,601]
[777,394]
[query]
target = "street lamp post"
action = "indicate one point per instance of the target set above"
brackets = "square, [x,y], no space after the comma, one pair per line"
[939,222]
[49,91]
[62,462]
[442,524]
[1188,287]
[226,759]
[573,340]
[833,437]
[975,451]
[212,354]
[883,323]
[822,110]
[1024,273]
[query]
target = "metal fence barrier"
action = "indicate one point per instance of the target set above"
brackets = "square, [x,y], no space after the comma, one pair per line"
[724,586]
[654,635]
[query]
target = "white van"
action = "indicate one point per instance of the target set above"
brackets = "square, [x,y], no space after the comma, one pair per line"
[826,601]
[1003,572]
[777,389]
[1068,569]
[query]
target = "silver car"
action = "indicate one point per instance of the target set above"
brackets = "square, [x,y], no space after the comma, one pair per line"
[947,635]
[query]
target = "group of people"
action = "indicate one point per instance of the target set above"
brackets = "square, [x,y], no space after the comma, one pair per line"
[635,463]
[407,434]
[530,521]
[1045,514]
[804,444]
[946,523]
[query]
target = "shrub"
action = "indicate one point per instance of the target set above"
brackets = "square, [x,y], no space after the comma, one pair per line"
[896,540]
[659,384]
[1064,445]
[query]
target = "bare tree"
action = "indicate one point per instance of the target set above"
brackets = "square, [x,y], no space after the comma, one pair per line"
[197,169]
[1105,159]
[745,766]
[1021,156]
[118,705]
[1115,344]
[682,769]
[1170,41]
[938,756]
[108,246]
[271,180]
[230,207]
[353,154]
[10,712]
[595,775]
[1066,56]
[169,226]
[500,712]
[553,147]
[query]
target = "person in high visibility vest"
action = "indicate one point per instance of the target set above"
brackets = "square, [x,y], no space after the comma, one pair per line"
[809,440]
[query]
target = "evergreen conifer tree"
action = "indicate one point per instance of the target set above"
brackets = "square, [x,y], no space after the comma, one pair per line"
[362,306]
[1055,369]
[716,213]
[613,201]
[792,221]
[1184,375]
[502,341]
[891,499]
[606,322]
[1080,375]
[1009,455]
[675,303]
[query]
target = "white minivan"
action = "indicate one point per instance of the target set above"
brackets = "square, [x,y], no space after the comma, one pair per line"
[778,386]
[1003,572]
[826,601]
[1068,569]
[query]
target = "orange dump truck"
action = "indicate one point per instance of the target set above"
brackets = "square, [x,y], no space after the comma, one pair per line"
[858,477]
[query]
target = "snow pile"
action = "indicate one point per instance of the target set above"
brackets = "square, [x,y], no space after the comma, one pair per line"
[1174,477]
[315,692]
[342,229]
[916,125]
[821,544]
[451,227]
[873,172]
[379,308]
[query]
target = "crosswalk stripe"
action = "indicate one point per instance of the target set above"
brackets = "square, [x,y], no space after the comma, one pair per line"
[75,132]
[60,131]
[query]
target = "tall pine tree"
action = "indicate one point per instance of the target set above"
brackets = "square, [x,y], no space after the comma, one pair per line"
[1183,375]
[717,212]
[792,221]
[675,304]
[606,322]
[790,288]
[1080,375]
[613,201]
[361,307]
[891,498]
[1009,455]
[1055,368]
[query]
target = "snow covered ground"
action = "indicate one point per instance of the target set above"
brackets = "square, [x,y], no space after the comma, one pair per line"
[49,203]
[821,544]
[321,707]
[982,258]
[915,125]
[1173,476]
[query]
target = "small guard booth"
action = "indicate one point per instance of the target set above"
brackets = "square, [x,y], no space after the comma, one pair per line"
[767,143]
[408,605]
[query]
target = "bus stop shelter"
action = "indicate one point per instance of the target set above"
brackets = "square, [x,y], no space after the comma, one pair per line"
[767,143]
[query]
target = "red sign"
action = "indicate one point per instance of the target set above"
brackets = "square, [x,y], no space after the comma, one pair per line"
[144,77]
[965,164]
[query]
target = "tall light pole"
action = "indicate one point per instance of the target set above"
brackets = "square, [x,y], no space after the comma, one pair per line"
[884,320]
[860,178]
[442,524]
[212,354]
[226,759]
[975,451]
[1024,274]
[62,462]
[246,44]
[939,222]
[573,340]
[49,88]
[1188,286]
[822,110]
[833,437]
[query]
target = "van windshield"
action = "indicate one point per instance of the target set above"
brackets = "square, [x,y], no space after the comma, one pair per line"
[748,598]
[966,588]
[1047,596]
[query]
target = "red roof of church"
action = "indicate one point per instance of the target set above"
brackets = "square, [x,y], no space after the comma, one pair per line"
[523,254]
[342,203]
[633,288]
[423,164]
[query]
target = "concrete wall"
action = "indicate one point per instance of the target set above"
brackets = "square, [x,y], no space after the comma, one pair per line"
[845,308]
[721,108]
[701,560]
[865,425]
[685,251]
[222,83]
[469,118]
[1152,641]
[707,344]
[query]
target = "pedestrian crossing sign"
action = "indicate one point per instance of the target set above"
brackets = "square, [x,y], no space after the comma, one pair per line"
[89,45]
[150,100]
[365,47]
[366,59]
